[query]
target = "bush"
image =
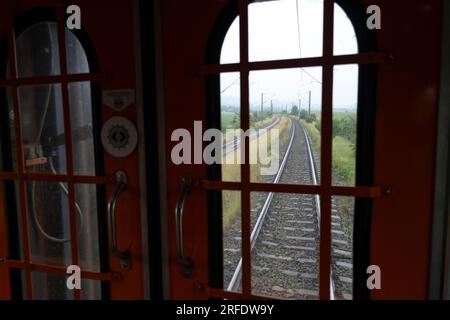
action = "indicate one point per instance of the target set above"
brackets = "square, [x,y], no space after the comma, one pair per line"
[309,118]
[318,125]
[303,114]
[345,127]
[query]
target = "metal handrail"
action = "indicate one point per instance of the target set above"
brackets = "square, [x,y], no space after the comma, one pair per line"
[187,264]
[123,256]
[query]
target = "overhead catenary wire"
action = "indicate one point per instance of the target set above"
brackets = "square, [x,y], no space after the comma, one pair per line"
[300,51]
[298,29]
[231,84]
[297,6]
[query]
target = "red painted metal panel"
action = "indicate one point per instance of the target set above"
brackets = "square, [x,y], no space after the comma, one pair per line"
[407,105]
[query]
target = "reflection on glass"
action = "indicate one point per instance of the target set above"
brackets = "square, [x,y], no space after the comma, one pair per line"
[286,29]
[43,128]
[232,241]
[91,289]
[42,125]
[49,218]
[37,51]
[88,241]
[50,287]
[342,246]
[82,123]
[345,99]
[77,61]
[285,256]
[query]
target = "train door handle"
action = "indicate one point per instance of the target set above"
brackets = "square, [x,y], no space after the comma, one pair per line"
[123,256]
[186,263]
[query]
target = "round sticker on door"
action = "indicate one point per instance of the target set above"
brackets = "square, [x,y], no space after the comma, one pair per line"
[119,137]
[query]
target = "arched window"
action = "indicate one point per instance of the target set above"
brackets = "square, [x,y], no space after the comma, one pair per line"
[305,69]
[49,134]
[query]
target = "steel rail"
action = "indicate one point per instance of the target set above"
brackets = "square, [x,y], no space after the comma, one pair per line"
[233,145]
[234,283]
[315,178]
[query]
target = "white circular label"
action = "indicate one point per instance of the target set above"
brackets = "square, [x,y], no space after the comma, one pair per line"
[119,137]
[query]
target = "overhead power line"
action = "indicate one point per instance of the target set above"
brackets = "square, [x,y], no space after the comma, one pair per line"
[231,84]
[300,45]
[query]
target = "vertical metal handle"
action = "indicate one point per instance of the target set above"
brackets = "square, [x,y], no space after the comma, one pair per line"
[123,256]
[187,264]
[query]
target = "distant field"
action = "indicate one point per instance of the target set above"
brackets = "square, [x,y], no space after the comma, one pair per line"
[337,115]
[227,119]
[344,114]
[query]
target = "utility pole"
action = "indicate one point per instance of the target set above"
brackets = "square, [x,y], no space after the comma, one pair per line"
[299,107]
[262,102]
[271,106]
[309,107]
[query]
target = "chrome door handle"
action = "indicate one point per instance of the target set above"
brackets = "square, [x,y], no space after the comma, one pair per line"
[123,256]
[187,264]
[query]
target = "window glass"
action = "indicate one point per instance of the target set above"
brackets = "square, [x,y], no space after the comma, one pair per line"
[44,150]
[37,51]
[286,104]
[345,41]
[286,29]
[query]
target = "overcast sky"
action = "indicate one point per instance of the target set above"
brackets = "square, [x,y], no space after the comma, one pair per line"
[273,34]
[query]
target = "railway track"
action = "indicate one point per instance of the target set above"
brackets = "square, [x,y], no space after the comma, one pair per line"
[233,145]
[285,234]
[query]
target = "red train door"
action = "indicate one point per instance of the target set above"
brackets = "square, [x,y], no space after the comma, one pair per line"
[70,197]
[310,255]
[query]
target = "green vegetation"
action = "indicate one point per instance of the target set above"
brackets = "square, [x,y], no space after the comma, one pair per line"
[231,207]
[308,117]
[314,134]
[344,125]
[229,119]
[344,159]
[294,111]
[344,142]
[259,119]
